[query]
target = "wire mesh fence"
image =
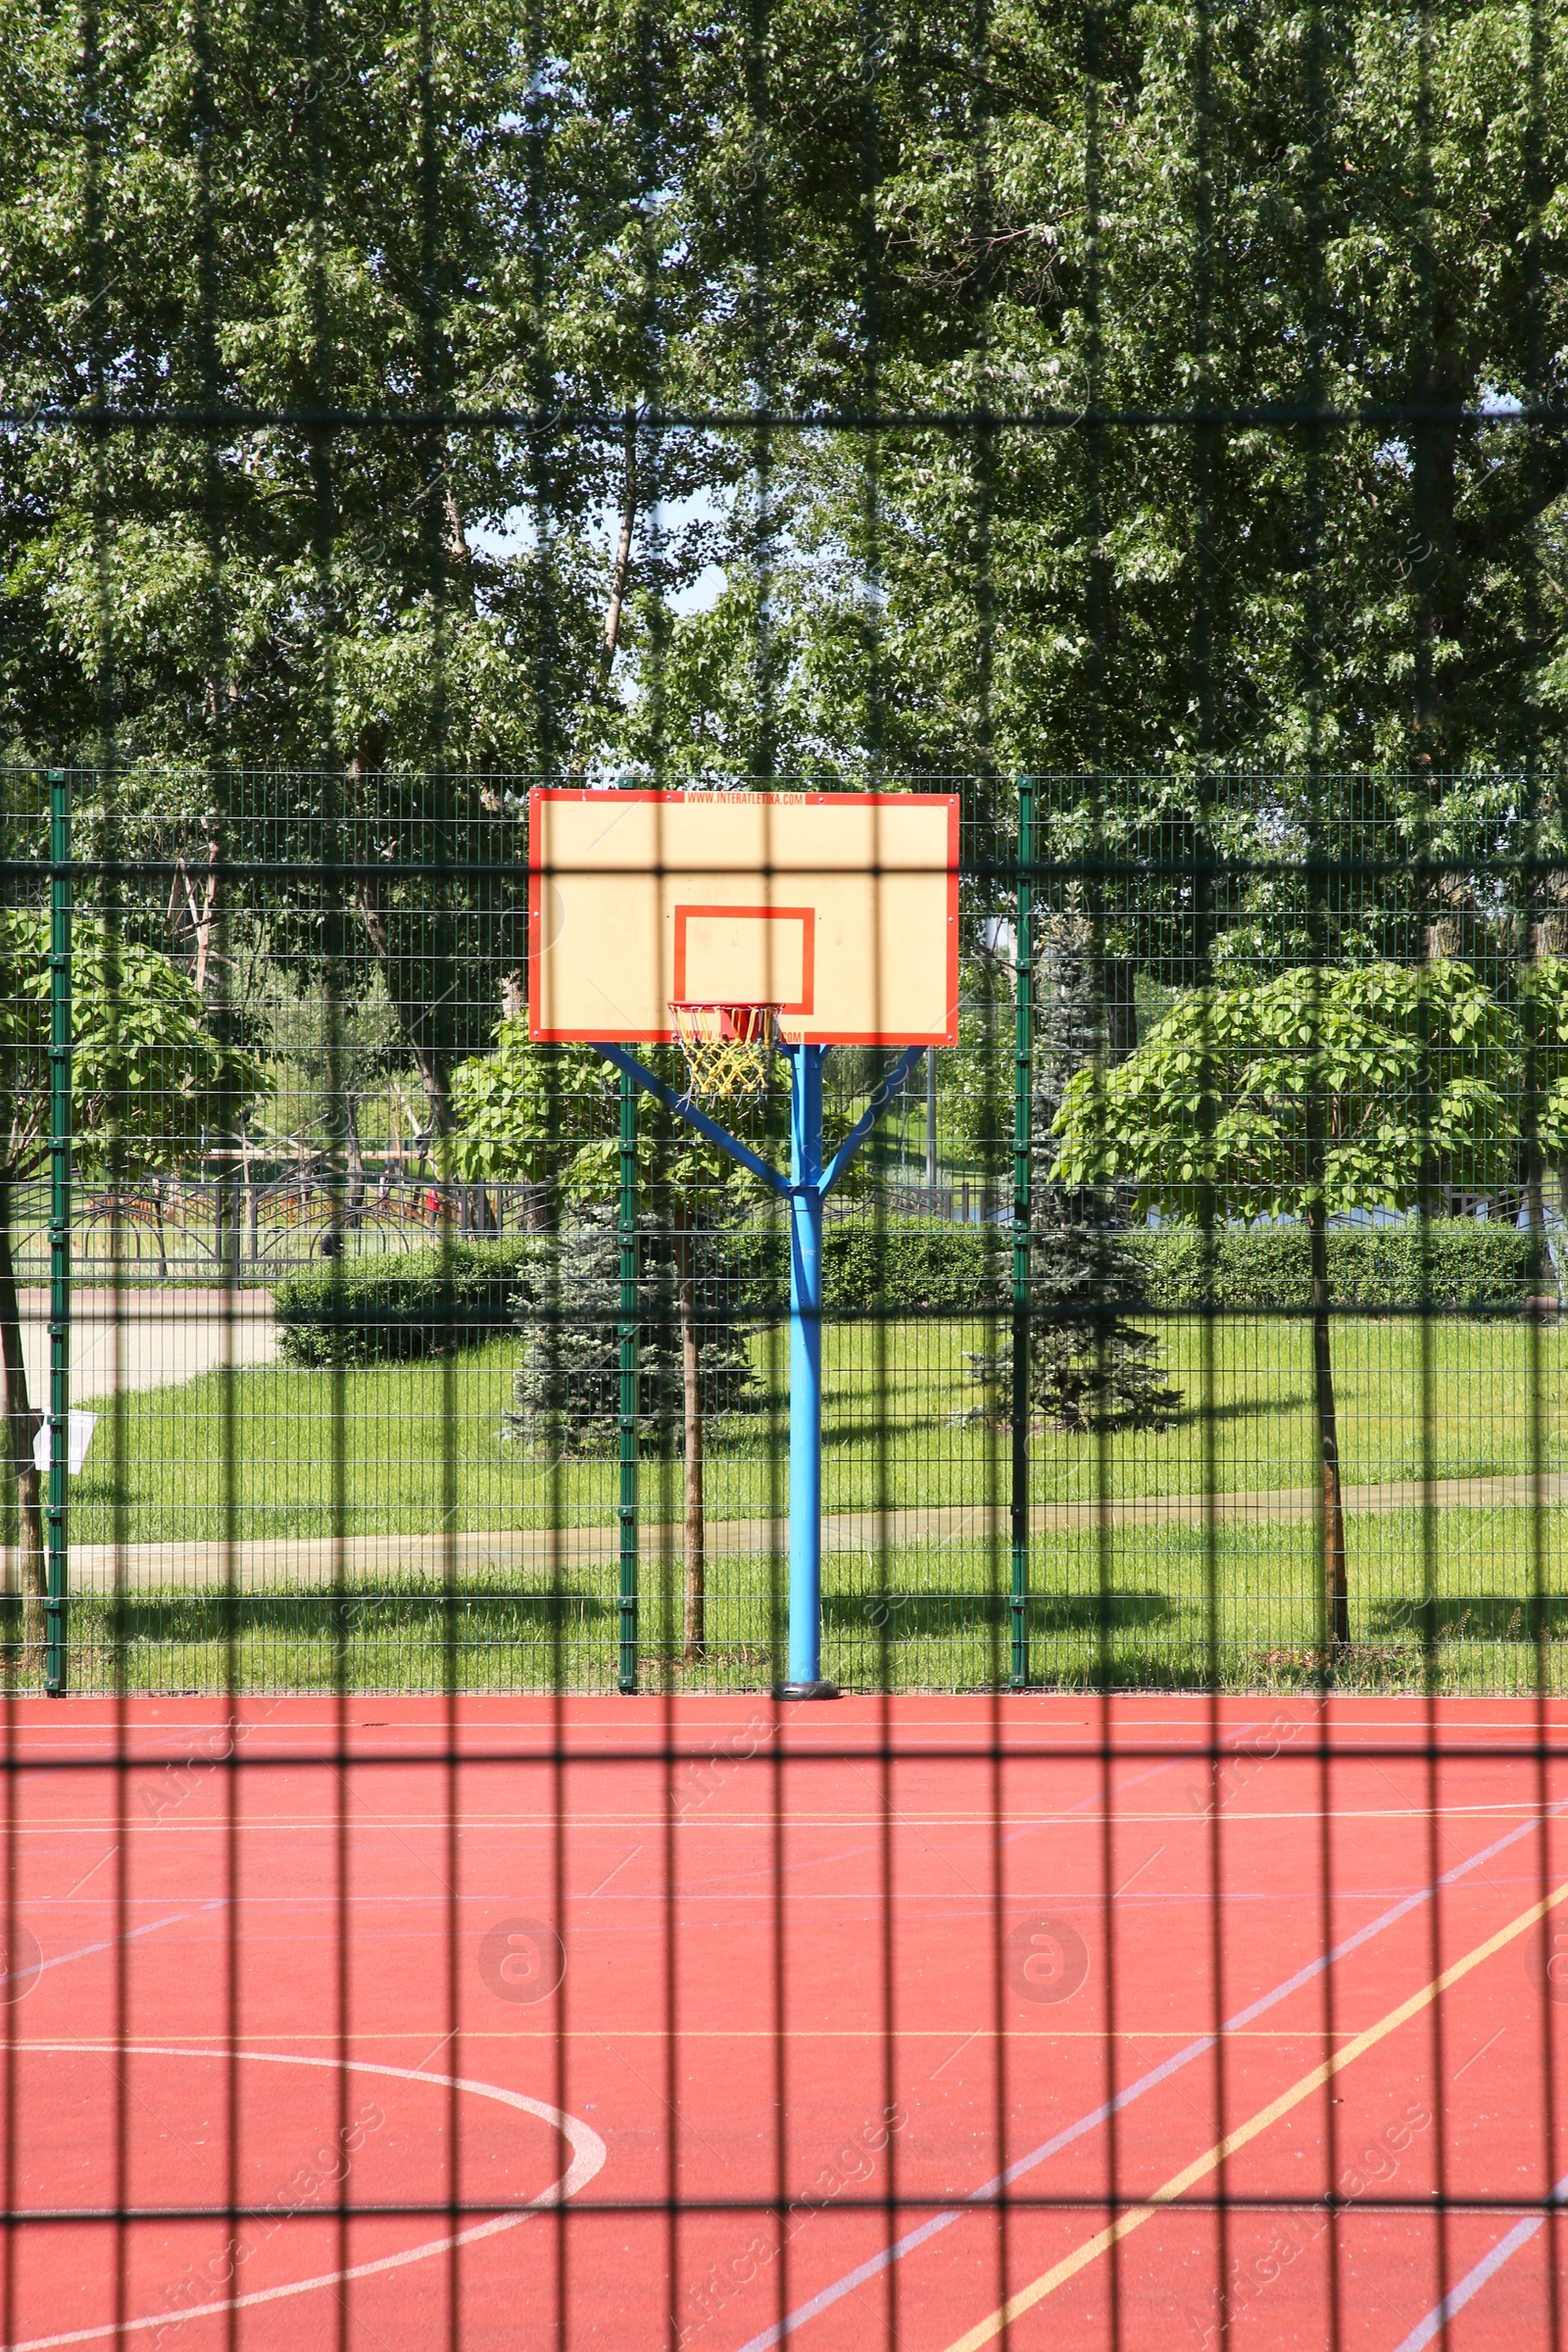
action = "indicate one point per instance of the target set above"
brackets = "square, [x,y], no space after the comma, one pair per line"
[428,1917]
[345,1280]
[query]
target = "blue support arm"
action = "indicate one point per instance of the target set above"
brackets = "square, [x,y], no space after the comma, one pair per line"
[694,1117]
[891,1085]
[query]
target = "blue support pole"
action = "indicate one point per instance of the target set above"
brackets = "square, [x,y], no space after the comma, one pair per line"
[805,1378]
[808,1185]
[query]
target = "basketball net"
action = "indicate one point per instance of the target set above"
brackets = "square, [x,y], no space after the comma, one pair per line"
[727,1049]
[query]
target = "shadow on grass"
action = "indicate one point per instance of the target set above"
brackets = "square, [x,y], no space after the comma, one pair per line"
[315,1613]
[900,1614]
[1240,1409]
[845,1432]
[1474,1617]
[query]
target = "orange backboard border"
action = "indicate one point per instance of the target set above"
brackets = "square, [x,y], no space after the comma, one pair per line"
[805,916]
[666,1034]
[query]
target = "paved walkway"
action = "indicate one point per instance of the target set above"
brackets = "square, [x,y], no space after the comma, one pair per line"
[313,1559]
[164,1334]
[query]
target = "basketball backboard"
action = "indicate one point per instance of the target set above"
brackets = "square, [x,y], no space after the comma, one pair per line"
[839,909]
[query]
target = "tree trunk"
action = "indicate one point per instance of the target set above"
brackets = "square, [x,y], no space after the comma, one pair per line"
[456,537]
[621,569]
[696,1642]
[23,1424]
[1336,1589]
[1434,574]
[1121,1008]
[1536,1219]
[356,1160]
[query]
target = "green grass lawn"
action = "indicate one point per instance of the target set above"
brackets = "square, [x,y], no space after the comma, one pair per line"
[417,1448]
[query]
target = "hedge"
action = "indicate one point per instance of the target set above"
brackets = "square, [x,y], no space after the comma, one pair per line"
[370,1310]
[915,1263]
[908,1264]
[374,1310]
[1449,1262]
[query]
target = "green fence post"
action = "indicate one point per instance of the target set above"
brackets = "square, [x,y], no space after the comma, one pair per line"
[58,1223]
[627,1678]
[1022,1105]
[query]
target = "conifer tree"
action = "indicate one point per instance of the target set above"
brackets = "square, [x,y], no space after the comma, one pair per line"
[1089,1366]
[567,1390]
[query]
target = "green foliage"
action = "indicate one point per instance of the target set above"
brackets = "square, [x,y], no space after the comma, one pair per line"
[917,1267]
[566,1393]
[149,1082]
[1317,1092]
[551,1112]
[1256,209]
[372,1311]
[909,1265]
[489,241]
[912,1263]
[1456,1262]
[528,1110]
[324,1050]
[403,1309]
[1264,207]
[1543,1012]
[1089,1367]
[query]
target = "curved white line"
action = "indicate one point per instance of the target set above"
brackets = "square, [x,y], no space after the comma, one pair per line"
[588,2154]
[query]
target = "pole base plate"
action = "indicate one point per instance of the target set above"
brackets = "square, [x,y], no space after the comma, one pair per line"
[806,1690]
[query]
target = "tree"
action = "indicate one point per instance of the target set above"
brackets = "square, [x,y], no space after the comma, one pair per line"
[528,1110]
[491,222]
[549,1110]
[566,1390]
[1089,1366]
[1116,215]
[150,1085]
[1306,1096]
[324,1050]
[362,215]
[599,221]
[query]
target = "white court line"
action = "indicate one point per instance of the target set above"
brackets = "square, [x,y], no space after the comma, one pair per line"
[588,2154]
[84,1951]
[827,2296]
[1475,2279]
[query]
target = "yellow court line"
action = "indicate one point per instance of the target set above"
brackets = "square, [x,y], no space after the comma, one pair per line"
[1180,2183]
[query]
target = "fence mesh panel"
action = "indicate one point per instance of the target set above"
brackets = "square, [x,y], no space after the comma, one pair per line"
[429,1919]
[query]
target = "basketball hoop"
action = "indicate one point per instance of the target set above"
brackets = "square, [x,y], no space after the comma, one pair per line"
[727,1047]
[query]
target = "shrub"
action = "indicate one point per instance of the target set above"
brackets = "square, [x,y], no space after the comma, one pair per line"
[1454,1262]
[918,1264]
[379,1311]
[566,1393]
[401,1310]
[1089,1367]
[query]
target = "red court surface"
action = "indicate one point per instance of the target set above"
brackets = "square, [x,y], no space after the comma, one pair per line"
[288,2063]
